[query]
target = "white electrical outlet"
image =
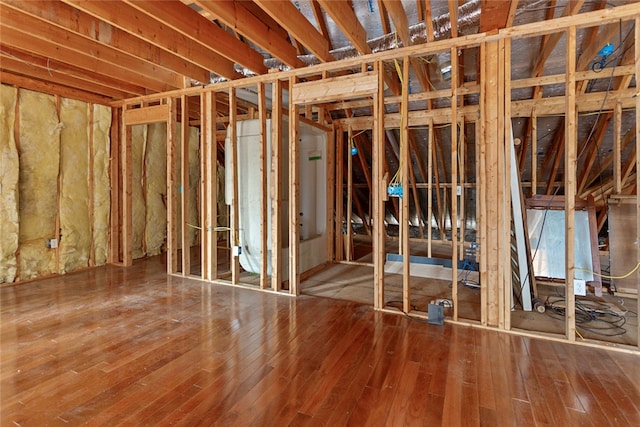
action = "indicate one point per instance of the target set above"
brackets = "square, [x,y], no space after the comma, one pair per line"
[579,287]
[459,190]
[52,243]
[237,250]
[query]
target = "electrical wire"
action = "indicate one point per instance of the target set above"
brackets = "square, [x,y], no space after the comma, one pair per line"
[604,276]
[590,316]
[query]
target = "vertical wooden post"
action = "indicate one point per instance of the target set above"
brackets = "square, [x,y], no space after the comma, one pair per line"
[571,138]
[264,195]
[205,230]
[184,186]
[534,152]
[339,196]
[331,200]
[637,62]
[454,181]
[348,238]
[235,214]
[617,135]
[429,187]
[276,184]
[404,172]
[378,157]
[211,187]
[127,209]
[90,182]
[172,206]
[506,150]
[114,179]
[294,188]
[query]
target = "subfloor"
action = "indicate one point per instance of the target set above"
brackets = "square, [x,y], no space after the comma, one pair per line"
[133,346]
[611,319]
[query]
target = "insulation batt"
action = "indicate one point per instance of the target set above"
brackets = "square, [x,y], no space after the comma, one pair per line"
[156,188]
[138,143]
[101,189]
[8,185]
[75,243]
[39,146]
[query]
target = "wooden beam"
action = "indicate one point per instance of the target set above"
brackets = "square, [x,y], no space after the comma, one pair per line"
[127,207]
[571,136]
[404,174]
[384,17]
[235,15]
[454,181]
[341,11]
[137,116]
[200,30]
[344,87]
[66,17]
[276,184]
[294,193]
[143,26]
[453,17]
[184,186]
[114,186]
[495,14]
[286,14]
[379,191]
[264,194]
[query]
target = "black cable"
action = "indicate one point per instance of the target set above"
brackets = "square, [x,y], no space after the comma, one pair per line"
[590,316]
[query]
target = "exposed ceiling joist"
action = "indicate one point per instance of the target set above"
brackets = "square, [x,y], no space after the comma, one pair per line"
[196,27]
[240,19]
[343,15]
[83,24]
[140,25]
[287,15]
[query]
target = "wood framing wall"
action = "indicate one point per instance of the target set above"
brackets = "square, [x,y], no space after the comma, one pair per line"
[307,94]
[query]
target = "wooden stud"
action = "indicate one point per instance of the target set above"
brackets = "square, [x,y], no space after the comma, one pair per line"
[276,184]
[454,180]
[264,195]
[205,177]
[235,214]
[637,98]
[57,230]
[429,186]
[378,199]
[331,216]
[294,189]
[172,197]
[404,171]
[90,182]
[616,148]
[506,150]
[184,186]
[211,221]
[114,178]
[571,136]
[339,194]
[534,152]
[349,236]
[127,207]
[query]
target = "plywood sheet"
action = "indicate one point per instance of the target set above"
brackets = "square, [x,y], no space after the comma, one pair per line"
[101,190]
[75,243]
[156,188]
[8,185]
[39,145]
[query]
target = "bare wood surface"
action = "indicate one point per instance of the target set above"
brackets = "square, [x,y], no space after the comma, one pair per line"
[111,346]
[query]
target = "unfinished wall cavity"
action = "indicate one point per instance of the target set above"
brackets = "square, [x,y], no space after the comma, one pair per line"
[54,184]
[8,185]
[156,188]
[138,203]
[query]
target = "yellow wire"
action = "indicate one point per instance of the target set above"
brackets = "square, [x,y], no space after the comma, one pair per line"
[604,276]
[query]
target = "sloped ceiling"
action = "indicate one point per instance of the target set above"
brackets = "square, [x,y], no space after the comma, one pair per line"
[110,50]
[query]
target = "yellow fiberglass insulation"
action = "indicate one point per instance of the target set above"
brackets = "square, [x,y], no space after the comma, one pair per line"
[138,143]
[194,186]
[75,227]
[156,188]
[101,190]
[8,185]
[39,146]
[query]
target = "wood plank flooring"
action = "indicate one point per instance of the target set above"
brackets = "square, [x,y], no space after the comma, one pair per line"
[114,346]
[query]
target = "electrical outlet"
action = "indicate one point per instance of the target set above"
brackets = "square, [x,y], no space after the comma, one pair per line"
[52,243]
[579,287]
[459,190]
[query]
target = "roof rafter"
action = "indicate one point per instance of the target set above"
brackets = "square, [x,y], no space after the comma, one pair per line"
[286,14]
[237,16]
[140,25]
[343,15]
[196,27]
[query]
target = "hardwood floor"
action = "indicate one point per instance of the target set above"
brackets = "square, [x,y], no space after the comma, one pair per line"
[133,346]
